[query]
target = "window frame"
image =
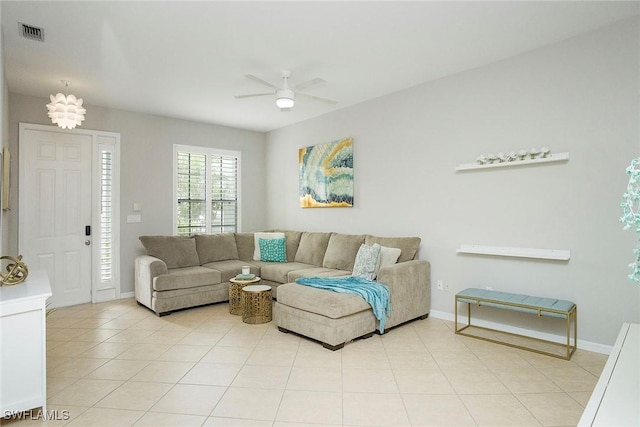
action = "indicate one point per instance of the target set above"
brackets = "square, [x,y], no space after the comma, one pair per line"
[208,152]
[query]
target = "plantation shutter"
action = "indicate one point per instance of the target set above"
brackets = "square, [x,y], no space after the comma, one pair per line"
[106,216]
[224,193]
[206,191]
[192,199]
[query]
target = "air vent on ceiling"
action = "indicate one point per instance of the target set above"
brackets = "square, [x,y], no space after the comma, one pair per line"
[30,32]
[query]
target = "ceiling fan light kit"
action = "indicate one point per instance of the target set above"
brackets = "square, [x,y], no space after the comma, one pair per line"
[285,96]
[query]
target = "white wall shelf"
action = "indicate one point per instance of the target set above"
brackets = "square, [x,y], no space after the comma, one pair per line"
[552,254]
[555,157]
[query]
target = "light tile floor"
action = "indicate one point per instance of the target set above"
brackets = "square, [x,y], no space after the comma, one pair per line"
[117,364]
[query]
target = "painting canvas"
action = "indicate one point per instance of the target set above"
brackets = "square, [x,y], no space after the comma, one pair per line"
[326,175]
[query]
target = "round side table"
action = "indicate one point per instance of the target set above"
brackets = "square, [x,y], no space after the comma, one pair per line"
[235,295]
[257,303]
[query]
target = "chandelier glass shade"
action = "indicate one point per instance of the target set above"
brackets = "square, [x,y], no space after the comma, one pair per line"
[66,110]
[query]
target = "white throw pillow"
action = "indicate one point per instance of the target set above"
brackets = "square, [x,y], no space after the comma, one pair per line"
[366,262]
[388,257]
[256,240]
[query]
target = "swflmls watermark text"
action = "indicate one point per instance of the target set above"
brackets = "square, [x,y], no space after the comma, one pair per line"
[54,415]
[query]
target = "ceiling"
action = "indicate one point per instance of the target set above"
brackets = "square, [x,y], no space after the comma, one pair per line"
[187,59]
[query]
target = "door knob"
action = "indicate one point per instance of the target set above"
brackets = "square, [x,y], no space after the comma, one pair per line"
[87,242]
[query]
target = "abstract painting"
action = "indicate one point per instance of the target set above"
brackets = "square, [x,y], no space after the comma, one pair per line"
[326,174]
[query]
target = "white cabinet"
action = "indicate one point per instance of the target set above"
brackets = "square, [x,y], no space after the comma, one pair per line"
[23,374]
[615,401]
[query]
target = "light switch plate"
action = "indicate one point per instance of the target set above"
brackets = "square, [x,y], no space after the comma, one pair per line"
[134,218]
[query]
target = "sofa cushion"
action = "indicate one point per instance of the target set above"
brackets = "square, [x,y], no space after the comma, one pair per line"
[320,301]
[245,244]
[184,278]
[341,250]
[408,245]
[230,268]
[273,250]
[388,257]
[312,248]
[367,262]
[279,271]
[175,251]
[216,247]
[263,235]
[316,272]
[292,241]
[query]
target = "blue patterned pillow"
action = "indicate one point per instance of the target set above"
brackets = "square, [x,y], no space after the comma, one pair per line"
[367,261]
[273,250]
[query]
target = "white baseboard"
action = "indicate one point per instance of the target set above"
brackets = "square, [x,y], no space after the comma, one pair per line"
[583,345]
[104,294]
[124,295]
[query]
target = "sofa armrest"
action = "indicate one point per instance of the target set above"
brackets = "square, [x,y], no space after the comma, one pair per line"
[410,286]
[146,269]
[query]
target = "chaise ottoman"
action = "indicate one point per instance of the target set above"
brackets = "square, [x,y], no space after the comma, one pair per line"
[329,317]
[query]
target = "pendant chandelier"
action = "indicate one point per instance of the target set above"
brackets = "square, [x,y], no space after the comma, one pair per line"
[66,110]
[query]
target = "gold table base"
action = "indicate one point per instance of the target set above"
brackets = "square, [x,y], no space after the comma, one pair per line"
[257,303]
[235,294]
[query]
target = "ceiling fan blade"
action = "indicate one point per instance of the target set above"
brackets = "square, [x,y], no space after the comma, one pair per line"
[251,95]
[303,86]
[259,80]
[317,98]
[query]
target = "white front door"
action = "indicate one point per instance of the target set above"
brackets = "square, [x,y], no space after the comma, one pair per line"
[55,209]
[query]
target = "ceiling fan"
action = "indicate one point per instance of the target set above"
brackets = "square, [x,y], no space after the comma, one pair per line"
[285,96]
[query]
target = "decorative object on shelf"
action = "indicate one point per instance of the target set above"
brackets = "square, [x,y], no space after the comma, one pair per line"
[523,157]
[66,110]
[534,152]
[544,153]
[631,212]
[17,271]
[326,174]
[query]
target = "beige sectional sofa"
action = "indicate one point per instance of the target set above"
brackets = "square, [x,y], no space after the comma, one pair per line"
[182,272]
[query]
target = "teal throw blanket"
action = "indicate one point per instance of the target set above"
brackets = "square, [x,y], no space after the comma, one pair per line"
[376,294]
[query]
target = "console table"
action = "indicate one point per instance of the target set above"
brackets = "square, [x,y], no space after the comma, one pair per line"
[23,364]
[615,399]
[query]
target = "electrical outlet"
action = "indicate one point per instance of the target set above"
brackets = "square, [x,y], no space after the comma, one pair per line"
[446,287]
[440,285]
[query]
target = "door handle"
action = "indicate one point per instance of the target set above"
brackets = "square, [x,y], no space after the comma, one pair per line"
[87,242]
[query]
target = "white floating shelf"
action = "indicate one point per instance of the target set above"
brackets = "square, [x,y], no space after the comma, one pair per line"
[554,254]
[555,157]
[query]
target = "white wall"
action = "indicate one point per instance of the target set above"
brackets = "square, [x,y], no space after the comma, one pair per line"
[4,133]
[579,96]
[147,168]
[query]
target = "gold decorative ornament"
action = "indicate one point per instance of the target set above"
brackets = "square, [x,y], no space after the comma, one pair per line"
[17,271]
